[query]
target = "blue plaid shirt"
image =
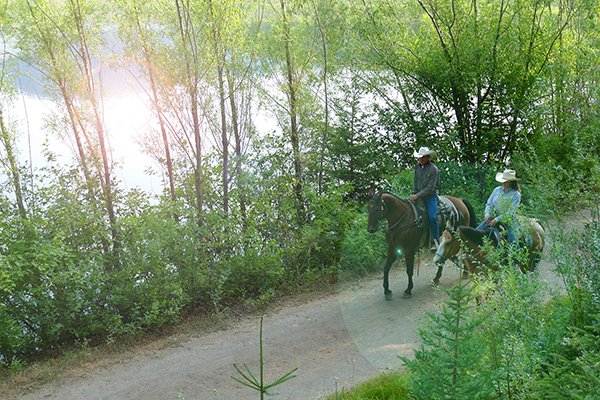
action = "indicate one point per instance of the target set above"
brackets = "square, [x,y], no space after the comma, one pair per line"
[502,206]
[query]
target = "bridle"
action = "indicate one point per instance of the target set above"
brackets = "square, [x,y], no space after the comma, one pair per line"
[468,257]
[392,230]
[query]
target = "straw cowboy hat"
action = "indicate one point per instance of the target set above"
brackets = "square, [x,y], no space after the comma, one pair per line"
[507,175]
[424,151]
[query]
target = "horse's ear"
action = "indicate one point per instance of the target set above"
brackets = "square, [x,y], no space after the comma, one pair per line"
[371,193]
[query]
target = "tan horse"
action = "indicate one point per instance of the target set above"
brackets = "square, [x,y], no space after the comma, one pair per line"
[475,257]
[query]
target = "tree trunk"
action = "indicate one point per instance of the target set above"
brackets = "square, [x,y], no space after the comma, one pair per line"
[324,138]
[189,44]
[238,151]
[12,167]
[105,174]
[293,104]
[156,103]
[219,54]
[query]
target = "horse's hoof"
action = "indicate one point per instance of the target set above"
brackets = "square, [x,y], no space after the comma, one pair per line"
[407,295]
[388,296]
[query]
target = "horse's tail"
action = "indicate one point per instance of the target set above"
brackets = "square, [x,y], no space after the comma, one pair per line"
[542,234]
[472,220]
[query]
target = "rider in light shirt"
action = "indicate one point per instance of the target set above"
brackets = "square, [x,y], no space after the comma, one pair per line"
[502,205]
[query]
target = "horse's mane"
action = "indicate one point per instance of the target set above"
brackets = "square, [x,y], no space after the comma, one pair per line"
[476,235]
[393,195]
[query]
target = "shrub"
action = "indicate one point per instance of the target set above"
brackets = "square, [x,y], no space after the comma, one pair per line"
[577,258]
[576,376]
[362,252]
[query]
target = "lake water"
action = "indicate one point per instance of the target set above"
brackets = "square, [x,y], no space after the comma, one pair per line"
[126,118]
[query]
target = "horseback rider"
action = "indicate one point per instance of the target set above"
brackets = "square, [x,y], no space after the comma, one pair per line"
[427,187]
[501,206]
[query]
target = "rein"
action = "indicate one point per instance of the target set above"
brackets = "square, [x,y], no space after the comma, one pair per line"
[474,256]
[391,229]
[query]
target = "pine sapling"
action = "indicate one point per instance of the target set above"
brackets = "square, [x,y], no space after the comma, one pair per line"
[258,384]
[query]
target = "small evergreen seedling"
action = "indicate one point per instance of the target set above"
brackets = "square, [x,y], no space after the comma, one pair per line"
[252,382]
[447,366]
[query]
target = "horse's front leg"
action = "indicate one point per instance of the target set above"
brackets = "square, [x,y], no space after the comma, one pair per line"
[391,257]
[409,257]
[438,275]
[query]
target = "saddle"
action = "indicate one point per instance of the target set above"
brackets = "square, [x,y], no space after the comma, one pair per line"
[447,213]
[524,239]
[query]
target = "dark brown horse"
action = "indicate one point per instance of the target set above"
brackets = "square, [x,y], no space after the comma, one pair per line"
[406,231]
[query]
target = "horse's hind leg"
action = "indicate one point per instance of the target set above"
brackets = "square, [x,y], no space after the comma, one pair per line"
[391,257]
[410,261]
[534,261]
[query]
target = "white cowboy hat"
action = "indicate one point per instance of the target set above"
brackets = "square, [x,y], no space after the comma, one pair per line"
[507,175]
[424,151]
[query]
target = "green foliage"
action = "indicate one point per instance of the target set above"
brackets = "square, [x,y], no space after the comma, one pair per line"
[389,386]
[577,258]
[575,376]
[555,190]
[473,66]
[362,252]
[60,283]
[520,331]
[475,182]
[258,270]
[448,363]
[402,183]
[503,91]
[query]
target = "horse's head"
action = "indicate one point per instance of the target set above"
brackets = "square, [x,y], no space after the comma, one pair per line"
[377,211]
[449,246]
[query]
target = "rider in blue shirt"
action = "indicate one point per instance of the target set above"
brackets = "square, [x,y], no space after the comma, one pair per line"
[502,204]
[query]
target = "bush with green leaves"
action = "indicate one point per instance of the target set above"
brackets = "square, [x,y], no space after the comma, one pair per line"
[362,252]
[521,330]
[65,275]
[571,368]
[500,344]
[577,258]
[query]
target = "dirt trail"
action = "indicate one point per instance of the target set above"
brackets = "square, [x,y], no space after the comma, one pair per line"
[335,342]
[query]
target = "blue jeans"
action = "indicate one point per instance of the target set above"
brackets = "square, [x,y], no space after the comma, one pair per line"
[432,206]
[510,236]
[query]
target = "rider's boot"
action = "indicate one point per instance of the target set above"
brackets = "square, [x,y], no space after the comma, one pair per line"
[435,245]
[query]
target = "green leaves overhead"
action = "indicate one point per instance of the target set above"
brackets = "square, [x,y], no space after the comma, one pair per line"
[476,65]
